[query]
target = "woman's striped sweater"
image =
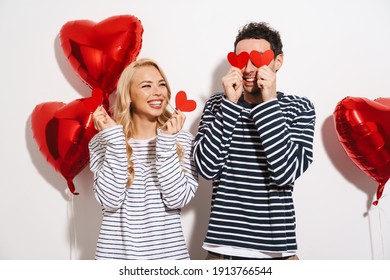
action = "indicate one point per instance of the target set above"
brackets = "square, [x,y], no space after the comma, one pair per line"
[254,154]
[143,221]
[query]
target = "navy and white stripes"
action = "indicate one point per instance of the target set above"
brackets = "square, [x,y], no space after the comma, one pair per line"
[254,154]
[143,221]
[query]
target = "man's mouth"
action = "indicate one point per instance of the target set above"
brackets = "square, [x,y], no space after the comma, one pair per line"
[248,79]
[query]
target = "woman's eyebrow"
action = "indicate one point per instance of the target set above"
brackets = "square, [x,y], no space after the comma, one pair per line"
[145,82]
[150,82]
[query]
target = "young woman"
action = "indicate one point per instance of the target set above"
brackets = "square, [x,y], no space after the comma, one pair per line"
[143,169]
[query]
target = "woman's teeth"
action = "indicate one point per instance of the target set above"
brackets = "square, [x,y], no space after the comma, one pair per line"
[155,103]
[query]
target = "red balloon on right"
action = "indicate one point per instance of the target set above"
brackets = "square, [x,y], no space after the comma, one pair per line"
[363,129]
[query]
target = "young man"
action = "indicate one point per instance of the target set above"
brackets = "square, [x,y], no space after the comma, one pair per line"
[253,143]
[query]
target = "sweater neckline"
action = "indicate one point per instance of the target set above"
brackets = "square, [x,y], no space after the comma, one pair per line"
[142,141]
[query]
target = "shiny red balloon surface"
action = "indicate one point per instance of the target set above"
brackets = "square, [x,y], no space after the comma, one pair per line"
[63,131]
[98,52]
[363,129]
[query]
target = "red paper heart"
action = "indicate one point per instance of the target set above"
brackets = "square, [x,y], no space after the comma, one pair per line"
[98,52]
[363,128]
[184,104]
[239,60]
[260,59]
[63,131]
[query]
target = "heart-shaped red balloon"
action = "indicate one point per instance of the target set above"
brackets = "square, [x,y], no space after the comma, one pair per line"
[63,131]
[363,128]
[239,60]
[98,52]
[259,59]
[184,104]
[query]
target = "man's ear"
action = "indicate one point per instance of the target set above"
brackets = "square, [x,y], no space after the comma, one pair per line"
[278,62]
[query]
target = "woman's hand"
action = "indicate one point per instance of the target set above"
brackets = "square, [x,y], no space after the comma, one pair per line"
[101,119]
[175,123]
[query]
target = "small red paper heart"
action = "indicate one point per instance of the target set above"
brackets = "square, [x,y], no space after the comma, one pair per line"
[63,131]
[259,59]
[184,104]
[239,60]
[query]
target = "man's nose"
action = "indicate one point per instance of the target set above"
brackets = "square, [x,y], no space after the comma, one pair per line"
[250,67]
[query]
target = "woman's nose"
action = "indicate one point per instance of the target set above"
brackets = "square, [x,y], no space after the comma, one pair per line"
[157,91]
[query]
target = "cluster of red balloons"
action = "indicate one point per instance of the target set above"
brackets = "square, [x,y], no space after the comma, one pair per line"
[363,129]
[98,53]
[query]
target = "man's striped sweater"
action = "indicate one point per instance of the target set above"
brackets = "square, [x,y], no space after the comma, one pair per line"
[253,155]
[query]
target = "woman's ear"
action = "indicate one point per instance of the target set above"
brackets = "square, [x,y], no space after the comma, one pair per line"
[278,62]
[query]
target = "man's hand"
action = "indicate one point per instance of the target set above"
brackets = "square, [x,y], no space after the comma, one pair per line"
[266,81]
[232,84]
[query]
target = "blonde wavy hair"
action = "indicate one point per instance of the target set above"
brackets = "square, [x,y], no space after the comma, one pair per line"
[123,113]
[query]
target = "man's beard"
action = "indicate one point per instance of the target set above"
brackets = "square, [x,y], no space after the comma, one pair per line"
[255,91]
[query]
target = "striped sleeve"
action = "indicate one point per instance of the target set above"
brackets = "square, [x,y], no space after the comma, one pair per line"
[214,135]
[108,162]
[177,176]
[286,129]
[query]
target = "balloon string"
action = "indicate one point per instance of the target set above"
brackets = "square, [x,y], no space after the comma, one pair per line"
[72,227]
[381,231]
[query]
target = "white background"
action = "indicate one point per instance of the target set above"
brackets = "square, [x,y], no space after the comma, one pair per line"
[333,49]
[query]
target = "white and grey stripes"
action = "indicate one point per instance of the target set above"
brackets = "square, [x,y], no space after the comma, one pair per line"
[254,154]
[143,221]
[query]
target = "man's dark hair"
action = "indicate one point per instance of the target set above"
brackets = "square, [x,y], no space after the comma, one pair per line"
[261,30]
